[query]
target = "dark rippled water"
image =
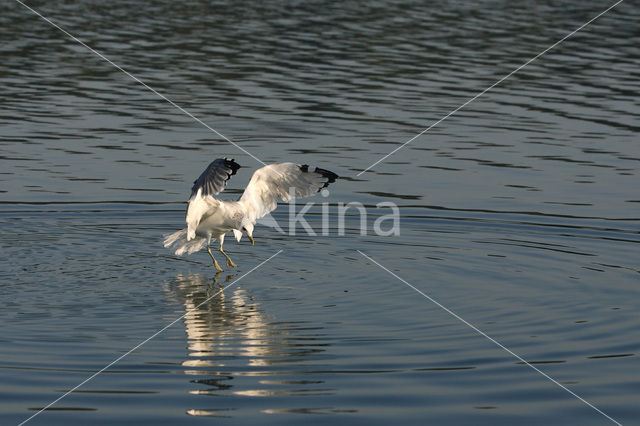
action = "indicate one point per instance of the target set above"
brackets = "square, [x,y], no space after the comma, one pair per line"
[520,213]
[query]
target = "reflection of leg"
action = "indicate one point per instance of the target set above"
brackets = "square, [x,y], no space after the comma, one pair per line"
[229,261]
[216,277]
[215,262]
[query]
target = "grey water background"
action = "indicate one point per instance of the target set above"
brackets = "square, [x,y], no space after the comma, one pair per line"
[520,213]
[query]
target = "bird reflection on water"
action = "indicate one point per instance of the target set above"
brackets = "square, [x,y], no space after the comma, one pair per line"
[229,325]
[231,337]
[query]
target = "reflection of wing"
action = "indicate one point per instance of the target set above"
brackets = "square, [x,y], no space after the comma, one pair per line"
[211,182]
[281,181]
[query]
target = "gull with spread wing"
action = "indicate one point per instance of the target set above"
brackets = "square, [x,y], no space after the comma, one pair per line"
[210,218]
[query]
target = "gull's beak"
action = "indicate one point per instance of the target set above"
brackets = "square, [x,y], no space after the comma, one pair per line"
[251,239]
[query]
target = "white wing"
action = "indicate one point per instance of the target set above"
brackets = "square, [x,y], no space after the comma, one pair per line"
[199,207]
[282,181]
[211,182]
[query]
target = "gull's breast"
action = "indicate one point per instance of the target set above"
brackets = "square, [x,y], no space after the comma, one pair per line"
[212,225]
[223,220]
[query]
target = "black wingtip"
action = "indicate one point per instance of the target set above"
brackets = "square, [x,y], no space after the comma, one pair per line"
[230,163]
[331,177]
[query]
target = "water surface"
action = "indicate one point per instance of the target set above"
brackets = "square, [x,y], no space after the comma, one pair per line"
[520,213]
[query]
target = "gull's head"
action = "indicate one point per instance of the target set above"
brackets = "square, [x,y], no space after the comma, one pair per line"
[248,228]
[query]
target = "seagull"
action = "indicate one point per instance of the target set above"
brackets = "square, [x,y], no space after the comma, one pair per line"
[209,218]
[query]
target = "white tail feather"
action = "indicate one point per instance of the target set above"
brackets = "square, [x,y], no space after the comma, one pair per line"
[178,242]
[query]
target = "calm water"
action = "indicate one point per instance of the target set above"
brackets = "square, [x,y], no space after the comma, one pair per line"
[521,213]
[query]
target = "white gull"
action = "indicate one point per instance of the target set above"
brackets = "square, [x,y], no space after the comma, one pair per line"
[210,218]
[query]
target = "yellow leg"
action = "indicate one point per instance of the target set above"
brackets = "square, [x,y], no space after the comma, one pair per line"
[251,239]
[229,261]
[215,262]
